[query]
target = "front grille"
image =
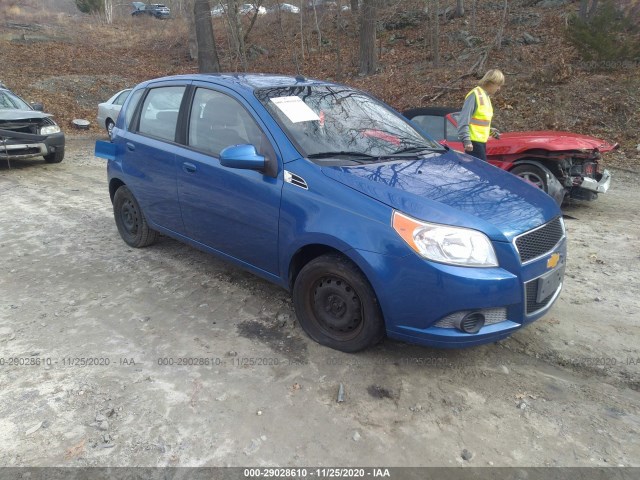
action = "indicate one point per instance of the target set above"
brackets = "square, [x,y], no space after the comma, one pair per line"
[539,241]
[531,290]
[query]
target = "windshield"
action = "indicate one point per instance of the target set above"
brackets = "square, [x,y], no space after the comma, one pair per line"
[339,122]
[11,101]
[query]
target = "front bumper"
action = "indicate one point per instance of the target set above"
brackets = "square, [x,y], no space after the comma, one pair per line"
[22,148]
[418,297]
[600,185]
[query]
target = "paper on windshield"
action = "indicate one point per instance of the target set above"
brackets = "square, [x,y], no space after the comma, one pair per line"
[295,109]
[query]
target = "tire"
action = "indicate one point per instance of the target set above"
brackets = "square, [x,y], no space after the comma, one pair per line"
[131,223]
[55,157]
[110,126]
[336,306]
[533,174]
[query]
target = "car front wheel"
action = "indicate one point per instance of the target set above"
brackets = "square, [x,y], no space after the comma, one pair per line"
[532,174]
[336,305]
[131,223]
[55,157]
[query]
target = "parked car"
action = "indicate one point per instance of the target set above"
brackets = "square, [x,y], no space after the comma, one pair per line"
[157,10]
[331,194]
[26,131]
[284,7]
[218,11]
[541,157]
[108,111]
[250,8]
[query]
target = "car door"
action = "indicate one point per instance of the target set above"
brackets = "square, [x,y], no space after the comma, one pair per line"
[149,158]
[232,210]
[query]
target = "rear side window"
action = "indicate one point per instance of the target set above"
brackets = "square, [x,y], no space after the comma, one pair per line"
[121,98]
[218,121]
[159,113]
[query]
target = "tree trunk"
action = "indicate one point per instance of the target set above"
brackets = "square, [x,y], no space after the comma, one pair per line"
[460,8]
[207,54]
[435,33]
[368,58]
[192,41]
[235,22]
[587,8]
[354,6]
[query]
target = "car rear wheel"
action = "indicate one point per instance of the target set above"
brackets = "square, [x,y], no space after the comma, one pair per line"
[336,305]
[110,126]
[55,157]
[131,223]
[532,174]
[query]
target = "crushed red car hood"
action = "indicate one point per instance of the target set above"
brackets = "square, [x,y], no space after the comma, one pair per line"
[551,140]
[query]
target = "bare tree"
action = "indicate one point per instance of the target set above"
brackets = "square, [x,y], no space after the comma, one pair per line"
[354,5]
[460,8]
[435,33]
[587,8]
[191,21]
[108,11]
[368,56]
[237,32]
[207,53]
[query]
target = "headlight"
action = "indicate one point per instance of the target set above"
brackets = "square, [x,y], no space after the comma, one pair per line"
[49,129]
[446,244]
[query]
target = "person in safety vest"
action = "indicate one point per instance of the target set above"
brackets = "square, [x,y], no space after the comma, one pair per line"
[474,124]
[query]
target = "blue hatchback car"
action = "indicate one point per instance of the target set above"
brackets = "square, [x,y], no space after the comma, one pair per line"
[331,194]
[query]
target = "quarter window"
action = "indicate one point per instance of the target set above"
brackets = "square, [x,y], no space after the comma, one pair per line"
[159,114]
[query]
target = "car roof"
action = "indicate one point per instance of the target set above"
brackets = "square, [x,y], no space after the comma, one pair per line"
[435,111]
[246,81]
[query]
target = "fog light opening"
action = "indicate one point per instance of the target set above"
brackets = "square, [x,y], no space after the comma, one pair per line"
[470,323]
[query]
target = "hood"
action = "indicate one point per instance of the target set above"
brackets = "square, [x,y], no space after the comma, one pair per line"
[551,140]
[453,189]
[12,114]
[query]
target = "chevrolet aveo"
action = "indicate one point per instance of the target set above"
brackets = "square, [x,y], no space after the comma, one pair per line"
[331,194]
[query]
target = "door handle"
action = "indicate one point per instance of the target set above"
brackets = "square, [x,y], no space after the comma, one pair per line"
[130,146]
[189,167]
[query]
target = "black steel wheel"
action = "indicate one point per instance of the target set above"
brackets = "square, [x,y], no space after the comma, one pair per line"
[336,305]
[131,223]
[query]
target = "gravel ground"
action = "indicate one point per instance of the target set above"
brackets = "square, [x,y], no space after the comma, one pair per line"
[193,362]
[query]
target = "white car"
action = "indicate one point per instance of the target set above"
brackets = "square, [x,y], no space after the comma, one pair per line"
[284,7]
[249,8]
[108,111]
[218,11]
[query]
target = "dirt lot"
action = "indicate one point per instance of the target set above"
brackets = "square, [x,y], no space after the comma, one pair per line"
[563,392]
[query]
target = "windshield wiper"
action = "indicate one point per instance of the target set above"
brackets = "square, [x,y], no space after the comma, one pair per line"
[416,150]
[342,154]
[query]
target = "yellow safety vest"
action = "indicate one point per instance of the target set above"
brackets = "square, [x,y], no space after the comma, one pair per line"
[480,121]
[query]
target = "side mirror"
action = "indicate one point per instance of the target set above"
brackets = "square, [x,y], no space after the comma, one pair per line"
[37,106]
[242,156]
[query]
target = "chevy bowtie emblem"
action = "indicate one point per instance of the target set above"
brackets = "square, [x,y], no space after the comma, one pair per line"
[553,260]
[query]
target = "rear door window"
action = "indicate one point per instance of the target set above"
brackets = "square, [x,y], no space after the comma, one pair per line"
[159,113]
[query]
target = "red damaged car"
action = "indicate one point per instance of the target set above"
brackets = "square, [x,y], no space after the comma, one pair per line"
[560,163]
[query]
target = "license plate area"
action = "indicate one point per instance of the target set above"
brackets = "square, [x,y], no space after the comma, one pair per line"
[549,283]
